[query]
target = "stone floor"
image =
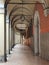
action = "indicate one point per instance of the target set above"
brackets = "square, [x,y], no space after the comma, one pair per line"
[22,55]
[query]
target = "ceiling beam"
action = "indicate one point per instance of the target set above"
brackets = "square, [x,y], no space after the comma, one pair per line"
[20,15]
[24,3]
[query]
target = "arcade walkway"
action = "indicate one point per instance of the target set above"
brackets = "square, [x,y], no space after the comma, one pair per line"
[22,55]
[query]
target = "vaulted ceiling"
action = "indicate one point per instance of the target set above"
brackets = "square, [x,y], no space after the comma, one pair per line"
[22,11]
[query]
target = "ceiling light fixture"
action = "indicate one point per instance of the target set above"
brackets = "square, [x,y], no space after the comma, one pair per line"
[22,17]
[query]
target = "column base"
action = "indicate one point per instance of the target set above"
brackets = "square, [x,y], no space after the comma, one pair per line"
[36,54]
[2,59]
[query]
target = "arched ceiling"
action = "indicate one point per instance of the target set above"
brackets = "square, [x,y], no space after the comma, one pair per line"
[18,8]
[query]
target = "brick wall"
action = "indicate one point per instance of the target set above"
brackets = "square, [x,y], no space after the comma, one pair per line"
[44,31]
[44,21]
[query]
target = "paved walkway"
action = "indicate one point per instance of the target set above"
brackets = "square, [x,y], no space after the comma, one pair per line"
[22,55]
